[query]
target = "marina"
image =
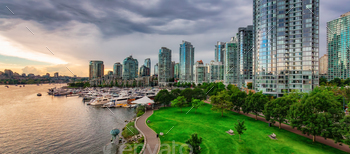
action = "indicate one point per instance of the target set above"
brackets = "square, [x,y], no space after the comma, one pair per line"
[107,97]
[56,124]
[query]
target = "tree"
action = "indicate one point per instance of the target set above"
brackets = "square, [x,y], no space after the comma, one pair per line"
[238,99]
[316,113]
[163,97]
[323,81]
[240,128]
[255,103]
[175,93]
[250,85]
[196,103]
[198,93]
[179,102]
[345,129]
[277,110]
[187,93]
[194,141]
[221,102]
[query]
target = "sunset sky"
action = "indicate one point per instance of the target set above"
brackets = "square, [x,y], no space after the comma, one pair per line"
[110,30]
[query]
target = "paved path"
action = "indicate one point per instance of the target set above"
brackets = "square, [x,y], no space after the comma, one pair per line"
[152,142]
[320,139]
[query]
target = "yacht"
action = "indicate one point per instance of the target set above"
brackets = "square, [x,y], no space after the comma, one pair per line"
[100,101]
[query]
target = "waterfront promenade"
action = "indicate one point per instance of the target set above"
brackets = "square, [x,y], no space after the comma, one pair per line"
[319,139]
[152,143]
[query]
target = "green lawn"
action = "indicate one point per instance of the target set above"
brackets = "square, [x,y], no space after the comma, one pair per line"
[212,128]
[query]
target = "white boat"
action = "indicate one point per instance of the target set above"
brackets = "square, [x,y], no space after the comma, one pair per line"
[110,104]
[100,101]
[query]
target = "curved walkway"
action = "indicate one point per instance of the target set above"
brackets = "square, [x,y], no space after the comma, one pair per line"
[320,139]
[152,143]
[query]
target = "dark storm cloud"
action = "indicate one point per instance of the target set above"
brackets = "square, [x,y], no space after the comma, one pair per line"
[115,18]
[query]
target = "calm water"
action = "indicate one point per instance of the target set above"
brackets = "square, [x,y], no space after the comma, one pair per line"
[47,124]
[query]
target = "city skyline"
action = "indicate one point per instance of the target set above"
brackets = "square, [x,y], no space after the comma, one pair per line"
[31,43]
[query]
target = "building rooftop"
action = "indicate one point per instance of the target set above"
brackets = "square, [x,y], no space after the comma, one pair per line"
[345,14]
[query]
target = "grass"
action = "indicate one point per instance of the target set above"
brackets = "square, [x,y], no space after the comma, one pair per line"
[131,148]
[212,128]
[130,130]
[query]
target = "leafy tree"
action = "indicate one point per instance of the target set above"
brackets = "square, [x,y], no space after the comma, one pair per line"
[238,99]
[277,110]
[323,81]
[250,85]
[255,103]
[240,128]
[194,141]
[187,93]
[345,129]
[163,97]
[198,93]
[175,93]
[316,113]
[221,102]
[196,103]
[179,102]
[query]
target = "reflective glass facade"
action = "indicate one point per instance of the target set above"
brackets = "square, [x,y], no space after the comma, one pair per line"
[186,61]
[286,45]
[246,54]
[144,71]
[231,74]
[220,52]
[118,69]
[176,70]
[164,65]
[147,63]
[156,69]
[96,69]
[199,72]
[130,68]
[338,47]
[216,72]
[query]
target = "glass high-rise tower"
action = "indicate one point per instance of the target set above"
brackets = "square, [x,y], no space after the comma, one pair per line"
[186,61]
[147,63]
[164,65]
[338,41]
[130,68]
[286,45]
[220,52]
[96,69]
[231,74]
[118,69]
[246,54]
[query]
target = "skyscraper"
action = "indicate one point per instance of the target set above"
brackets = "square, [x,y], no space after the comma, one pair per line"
[246,57]
[216,71]
[172,70]
[118,69]
[285,45]
[144,71]
[147,63]
[199,72]
[96,69]
[338,47]
[231,65]
[323,64]
[156,69]
[164,65]
[186,61]
[130,68]
[176,70]
[220,52]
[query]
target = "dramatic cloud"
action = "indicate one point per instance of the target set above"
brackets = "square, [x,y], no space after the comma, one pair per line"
[110,30]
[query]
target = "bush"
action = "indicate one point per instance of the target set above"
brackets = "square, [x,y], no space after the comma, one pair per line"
[130,130]
[141,140]
[140,113]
